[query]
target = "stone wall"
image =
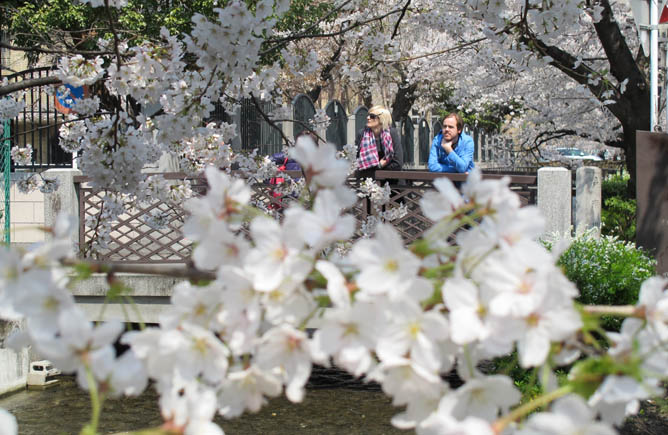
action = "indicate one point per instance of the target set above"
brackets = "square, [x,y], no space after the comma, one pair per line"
[26,214]
[13,365]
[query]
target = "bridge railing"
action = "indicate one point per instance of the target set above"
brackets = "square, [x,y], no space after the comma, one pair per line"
[133,240]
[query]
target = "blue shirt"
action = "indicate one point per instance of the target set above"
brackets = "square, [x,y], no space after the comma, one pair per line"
[459,160]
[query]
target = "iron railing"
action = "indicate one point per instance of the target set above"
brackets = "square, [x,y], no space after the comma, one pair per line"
[38,124]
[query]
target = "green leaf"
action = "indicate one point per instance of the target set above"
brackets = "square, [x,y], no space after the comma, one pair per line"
[83,271]
[116,290]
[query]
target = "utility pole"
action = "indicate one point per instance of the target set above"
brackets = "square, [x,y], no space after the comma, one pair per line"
[646,14]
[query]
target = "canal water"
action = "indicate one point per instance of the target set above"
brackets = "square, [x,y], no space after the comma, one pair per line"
[65,409]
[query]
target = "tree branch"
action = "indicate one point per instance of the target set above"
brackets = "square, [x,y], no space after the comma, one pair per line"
[51,51]
[164,270]
[303,35]
[326,73]
[29,83]
[401,17]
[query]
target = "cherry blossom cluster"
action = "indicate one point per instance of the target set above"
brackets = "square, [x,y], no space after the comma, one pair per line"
[30,181]
[175,100]
[10,107]
[22,155]
[476,287]
[78,71]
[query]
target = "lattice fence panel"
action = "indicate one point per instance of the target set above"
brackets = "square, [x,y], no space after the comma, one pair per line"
[131,238]
[414,223]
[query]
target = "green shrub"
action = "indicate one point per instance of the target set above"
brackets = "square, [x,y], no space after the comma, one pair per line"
[618,218]
[615,185]
[618,215]
[607,271]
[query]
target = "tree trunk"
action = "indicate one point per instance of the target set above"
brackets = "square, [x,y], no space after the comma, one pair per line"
[403,101]
[631,107]
[326,73]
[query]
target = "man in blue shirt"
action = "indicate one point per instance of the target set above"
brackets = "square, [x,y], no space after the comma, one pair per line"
[451,150]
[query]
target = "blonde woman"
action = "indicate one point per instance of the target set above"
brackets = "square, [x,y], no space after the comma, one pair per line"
[378,144]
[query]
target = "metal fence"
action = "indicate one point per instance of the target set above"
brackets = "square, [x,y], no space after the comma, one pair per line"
[303,112]
[134,241]
[38,124]
[337,131]
[408,139]
[255,132]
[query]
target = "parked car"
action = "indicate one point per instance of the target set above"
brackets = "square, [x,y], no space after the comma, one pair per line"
[42,374]
[576,154]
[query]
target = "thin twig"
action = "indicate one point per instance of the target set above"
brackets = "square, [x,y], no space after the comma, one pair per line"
[401,17]
[614,310]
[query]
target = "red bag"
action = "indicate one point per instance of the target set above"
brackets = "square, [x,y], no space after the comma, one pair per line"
[278,180]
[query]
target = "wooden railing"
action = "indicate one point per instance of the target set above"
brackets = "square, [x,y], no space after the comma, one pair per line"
[133,240]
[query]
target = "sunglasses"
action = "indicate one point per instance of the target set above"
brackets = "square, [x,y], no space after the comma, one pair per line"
[373,116]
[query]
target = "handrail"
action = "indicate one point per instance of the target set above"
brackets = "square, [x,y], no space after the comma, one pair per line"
[430,176]
[416,175]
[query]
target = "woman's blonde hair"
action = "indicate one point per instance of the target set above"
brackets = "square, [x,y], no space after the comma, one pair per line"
[384,116]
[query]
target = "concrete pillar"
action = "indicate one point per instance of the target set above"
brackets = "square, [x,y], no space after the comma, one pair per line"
[351,133]
[64,199]
[588,200]
[322,132]
[416,145]
[554,199]
[288,126]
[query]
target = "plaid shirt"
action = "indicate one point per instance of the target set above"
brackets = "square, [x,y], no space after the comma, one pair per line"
[368,156]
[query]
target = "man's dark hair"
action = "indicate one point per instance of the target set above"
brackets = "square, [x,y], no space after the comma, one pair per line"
[460,122]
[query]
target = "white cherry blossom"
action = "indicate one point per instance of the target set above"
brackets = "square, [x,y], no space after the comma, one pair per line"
[324,225]
[443,202]
[245,389]
[483,397]
[618,397]
[189,406]
[467,310]
[410,331]
[348,335]
[283,351]
[569,415]
[319,163]
[278,256]
[438,424]
[654,300]
[385,267]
